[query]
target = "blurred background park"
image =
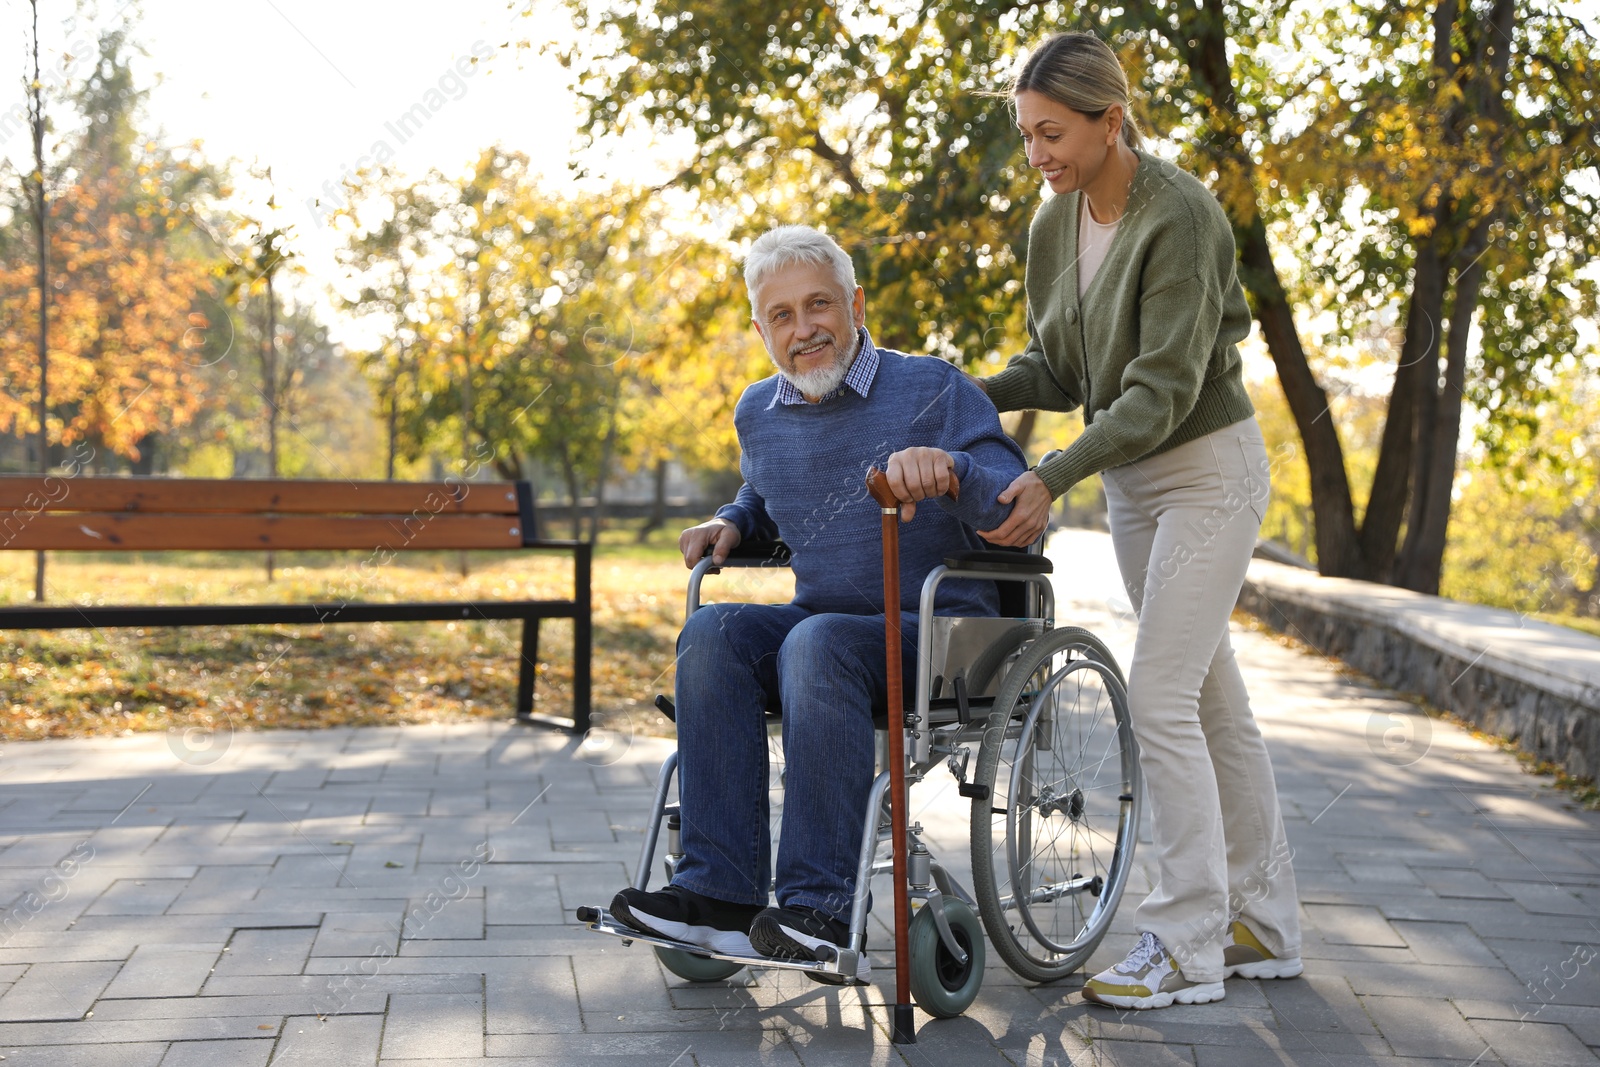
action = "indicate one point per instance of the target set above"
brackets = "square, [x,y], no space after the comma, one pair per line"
[376,241]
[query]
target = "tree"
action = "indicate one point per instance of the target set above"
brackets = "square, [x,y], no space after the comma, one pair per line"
[875,123]
[119,366]
[697,352]
[544,331]
[1322,129]
[1386,160]
[1529,505]
[252,284]
[387,251]
[121,333]
[268,254]
[42,251]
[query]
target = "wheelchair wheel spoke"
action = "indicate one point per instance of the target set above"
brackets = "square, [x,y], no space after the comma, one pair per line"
[1052,845]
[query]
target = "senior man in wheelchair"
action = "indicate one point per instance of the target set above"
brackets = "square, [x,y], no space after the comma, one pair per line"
[837,406]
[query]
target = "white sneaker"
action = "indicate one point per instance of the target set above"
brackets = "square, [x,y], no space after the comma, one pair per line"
[1148,978]
[1244,955]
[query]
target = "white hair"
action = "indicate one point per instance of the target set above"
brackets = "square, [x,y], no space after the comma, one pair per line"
[784,245]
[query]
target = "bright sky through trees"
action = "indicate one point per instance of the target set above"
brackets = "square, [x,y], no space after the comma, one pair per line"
[313,89]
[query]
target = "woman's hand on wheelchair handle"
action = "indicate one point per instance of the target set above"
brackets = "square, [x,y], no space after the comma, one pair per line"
[719,536]
[1030,503]
[917,474]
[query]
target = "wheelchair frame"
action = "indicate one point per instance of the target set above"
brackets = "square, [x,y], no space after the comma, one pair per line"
[935,738]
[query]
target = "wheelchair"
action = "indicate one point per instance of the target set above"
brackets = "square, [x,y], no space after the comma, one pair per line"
[1032,721]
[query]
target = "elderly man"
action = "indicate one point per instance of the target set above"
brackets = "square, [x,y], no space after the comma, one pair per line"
[837,406]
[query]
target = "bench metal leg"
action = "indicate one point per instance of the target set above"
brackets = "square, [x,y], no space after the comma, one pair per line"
[582,652]
[529,667]
[582,637]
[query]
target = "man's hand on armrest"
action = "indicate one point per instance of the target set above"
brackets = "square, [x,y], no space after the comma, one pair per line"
[721,535]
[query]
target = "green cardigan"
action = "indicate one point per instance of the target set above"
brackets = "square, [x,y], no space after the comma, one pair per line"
[1150,352]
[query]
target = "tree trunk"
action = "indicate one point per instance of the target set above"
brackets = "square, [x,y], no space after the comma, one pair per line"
[508,466]
[1338,551]
[145,464]
[1421,562]
[1403,464]
[603,469]
[1416,373]
[269,377]
[570,473]
[399,360]
[1023,434]
[1333,512]
[467,406]
[658,502]
[36,125]
[394,401]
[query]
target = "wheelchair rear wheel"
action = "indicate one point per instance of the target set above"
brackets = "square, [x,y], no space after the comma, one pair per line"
[1052,844]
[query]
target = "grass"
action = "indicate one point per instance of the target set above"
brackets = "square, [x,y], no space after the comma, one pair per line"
[92,682]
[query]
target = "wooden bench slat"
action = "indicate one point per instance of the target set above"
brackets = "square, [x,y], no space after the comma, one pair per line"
[130,531]
[36,493]
[56,617]
[380,519]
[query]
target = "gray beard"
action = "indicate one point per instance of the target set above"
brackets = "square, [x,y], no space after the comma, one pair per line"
[824,380]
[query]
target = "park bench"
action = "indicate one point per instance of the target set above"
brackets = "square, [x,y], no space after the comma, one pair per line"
[101,514]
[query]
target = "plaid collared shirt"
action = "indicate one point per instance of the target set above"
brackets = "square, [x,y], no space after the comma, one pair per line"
[859,379]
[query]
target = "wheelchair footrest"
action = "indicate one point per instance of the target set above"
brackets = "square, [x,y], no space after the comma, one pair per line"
[601,921]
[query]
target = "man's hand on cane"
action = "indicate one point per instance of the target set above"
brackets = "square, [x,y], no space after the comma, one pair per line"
[919,473]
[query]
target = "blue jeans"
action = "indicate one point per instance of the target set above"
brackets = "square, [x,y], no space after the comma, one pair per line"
[828,673]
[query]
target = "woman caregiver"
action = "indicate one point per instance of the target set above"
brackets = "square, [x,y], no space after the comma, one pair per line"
[1134,312]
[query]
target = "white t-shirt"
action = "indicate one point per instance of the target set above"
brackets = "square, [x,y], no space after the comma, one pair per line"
[1094,240]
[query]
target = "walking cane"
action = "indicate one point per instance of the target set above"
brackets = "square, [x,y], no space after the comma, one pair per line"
[902,1030]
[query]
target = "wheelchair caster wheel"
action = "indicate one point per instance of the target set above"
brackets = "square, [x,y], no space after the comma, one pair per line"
[695,968]
[941,986]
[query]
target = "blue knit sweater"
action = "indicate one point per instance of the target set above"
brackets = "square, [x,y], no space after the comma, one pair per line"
[805,466]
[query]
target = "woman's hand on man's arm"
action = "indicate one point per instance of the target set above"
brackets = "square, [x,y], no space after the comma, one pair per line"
[1030,502]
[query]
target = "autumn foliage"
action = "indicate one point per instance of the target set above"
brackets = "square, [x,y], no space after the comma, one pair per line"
[124,324]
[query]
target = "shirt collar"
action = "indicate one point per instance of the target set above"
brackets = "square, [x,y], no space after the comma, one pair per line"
[859,379]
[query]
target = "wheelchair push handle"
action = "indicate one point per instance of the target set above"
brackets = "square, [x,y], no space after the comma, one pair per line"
[878,486]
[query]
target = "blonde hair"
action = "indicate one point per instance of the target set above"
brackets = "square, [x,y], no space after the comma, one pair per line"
[1080,71]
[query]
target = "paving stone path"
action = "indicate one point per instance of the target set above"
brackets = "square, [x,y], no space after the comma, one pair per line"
[355,897]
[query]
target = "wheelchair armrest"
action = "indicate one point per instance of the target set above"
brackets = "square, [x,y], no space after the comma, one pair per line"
[1000,560]
[758,554]
[747,554]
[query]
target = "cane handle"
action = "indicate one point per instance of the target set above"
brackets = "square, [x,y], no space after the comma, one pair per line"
[878,486]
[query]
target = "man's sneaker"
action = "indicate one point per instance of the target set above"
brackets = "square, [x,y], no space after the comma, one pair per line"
[802,933]
[684,915]
[1148,978]
[1244,955]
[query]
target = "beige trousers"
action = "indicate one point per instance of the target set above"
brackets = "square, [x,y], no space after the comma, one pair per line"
[1184,524]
